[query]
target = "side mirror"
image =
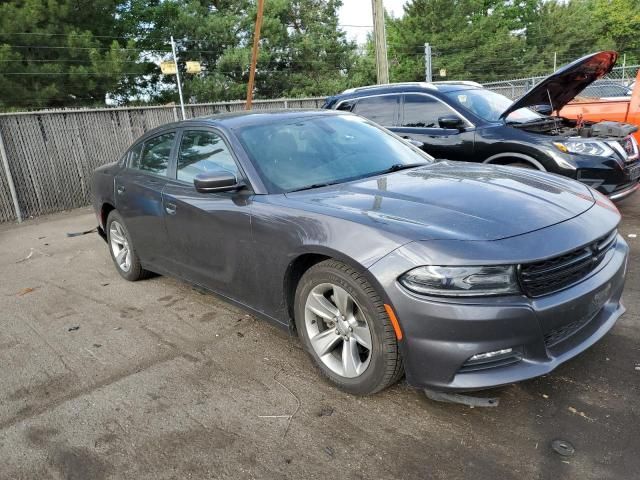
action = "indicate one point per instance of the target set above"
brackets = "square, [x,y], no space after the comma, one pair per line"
[543,109]
[451,121]
[216,181]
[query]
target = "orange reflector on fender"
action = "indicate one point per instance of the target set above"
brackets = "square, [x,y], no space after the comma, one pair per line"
[394,321]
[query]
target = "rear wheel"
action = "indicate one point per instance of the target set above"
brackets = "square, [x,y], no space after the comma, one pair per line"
[345,329]
[122,249]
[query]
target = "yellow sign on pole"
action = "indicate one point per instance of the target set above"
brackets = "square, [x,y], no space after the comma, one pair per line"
[193,67]
[443,72]
[168,68]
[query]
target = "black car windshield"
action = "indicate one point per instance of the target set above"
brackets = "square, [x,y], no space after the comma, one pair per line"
[490,105]
[305,152]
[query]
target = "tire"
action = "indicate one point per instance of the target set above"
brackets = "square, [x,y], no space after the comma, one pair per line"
[119,239]
[365,370]
[526,165]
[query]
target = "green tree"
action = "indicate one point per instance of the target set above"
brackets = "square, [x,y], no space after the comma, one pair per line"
[60,53]
[488,40]
[302,50]
[470,38]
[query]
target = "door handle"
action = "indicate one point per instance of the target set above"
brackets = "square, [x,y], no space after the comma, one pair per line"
[170,208]
[120,189]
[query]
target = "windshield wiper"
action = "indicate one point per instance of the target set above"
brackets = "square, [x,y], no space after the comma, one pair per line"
[315,185]
[401,166]
[393,168]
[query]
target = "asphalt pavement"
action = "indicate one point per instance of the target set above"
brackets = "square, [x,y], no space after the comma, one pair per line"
[105,379]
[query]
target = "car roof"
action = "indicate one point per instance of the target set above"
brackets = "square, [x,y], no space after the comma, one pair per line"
[253,117]
[431,87]
[243,118]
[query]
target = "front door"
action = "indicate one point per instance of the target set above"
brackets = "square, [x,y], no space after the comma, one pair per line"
[209,233]
[419,116]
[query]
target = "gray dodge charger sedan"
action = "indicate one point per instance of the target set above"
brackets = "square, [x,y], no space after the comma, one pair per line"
[384,261]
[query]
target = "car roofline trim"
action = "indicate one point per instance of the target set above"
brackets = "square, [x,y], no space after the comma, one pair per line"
[428,85]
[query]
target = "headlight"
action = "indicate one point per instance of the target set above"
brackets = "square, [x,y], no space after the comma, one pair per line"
[584,147]
[461,281]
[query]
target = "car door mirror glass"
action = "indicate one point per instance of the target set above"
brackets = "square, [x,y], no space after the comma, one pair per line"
[216,181]
[451,121]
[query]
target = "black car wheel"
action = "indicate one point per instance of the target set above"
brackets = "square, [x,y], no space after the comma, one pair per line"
[343,325]
[122,250]
[522,165]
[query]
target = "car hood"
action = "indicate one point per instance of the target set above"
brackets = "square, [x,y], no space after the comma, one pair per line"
[453,200]
[564,84]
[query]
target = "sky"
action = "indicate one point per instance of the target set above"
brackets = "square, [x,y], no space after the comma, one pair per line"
[358,12]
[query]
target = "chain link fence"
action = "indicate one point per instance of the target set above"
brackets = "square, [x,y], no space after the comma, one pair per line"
[50,155]
[615,84]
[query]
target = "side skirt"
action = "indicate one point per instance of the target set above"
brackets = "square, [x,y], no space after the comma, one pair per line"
[256,313]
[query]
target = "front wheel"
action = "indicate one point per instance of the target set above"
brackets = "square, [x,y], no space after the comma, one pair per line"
[522,165]
[344,327]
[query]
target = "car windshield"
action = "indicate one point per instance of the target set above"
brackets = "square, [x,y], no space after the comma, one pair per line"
[490,105]
[305,152]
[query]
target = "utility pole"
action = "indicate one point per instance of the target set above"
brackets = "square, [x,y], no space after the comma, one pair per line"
[175,61]
[555,61]
[624,65]
[254,55]
[428,75]
[381,41]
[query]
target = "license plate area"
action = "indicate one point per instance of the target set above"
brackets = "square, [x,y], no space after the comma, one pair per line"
[591,308]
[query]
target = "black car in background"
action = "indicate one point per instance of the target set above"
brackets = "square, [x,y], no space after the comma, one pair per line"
[463,121]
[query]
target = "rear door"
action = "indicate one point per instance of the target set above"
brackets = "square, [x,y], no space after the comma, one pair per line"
[138,192]
[381,109]
[419,120]
[209,233]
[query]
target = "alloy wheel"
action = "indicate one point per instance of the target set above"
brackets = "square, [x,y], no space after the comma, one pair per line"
[120,246]
[338,330]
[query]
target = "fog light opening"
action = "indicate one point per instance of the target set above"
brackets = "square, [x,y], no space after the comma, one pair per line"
[489,355]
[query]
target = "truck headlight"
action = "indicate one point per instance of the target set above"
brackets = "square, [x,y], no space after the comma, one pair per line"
[461,281]
[584,147]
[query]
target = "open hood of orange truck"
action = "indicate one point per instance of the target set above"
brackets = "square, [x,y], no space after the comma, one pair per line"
[564,84]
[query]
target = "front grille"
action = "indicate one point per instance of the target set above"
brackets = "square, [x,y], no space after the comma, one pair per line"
[560,334]
[557,273]
[633,171]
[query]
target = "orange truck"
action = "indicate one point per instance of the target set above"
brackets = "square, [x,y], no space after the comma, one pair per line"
[626,110]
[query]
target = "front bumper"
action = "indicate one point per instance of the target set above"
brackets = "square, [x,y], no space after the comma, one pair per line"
[624,192]
[610,178]
[440,335]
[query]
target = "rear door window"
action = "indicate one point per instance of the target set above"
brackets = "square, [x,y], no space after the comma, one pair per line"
[382,109]
[155,154]
[422,111]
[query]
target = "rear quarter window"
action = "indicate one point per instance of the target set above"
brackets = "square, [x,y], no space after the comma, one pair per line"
[132,157]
